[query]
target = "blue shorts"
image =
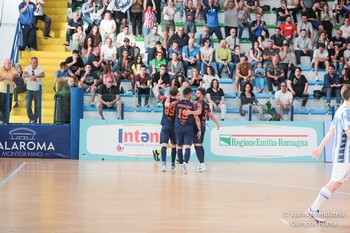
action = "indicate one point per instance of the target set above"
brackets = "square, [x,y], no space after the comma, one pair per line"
[201,139]
[184,138]
[166,134]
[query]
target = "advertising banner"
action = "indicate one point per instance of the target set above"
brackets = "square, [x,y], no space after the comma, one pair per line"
[234,141]
[35,141]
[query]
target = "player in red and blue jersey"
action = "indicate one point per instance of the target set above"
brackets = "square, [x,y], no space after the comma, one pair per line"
[167,122]
[183,129]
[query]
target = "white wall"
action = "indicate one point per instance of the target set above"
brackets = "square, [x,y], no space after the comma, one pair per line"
[8,27]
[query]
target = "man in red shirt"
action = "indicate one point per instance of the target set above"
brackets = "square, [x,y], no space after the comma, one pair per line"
[288,29]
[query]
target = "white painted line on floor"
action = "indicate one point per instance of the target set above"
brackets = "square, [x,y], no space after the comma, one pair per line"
[284,221]
[13,174]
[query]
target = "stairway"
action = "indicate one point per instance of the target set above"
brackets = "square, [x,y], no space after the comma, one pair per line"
[50,53]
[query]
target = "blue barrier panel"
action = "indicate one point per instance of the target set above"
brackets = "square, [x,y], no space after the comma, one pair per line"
[234,141]
[77,113]
[34,141]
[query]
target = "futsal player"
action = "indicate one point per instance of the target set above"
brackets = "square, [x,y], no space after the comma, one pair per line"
[340,129]
[183,128]
[167,122]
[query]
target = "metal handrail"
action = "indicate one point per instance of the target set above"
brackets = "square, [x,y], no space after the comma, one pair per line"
[17,42]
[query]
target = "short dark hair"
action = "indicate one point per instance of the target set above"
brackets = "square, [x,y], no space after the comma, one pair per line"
[75,52]
[202,90]
[187,91]
[62,64]
[173,91]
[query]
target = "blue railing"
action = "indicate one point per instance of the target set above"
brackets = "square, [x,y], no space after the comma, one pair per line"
[17,43]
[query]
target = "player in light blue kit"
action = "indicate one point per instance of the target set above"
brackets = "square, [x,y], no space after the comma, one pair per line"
[340,129]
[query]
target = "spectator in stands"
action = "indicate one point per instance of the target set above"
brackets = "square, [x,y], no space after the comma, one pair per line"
[208,77]
[268,54]
[304,24]
[126,46]
[108,73]
[232,40]
[95,34]
[39,15]
[124,70]
[257,27]
[75,63]
[78,39]
[33,75]
[89,82]
[223,59]
[207,56]
[108,28]
[87,48]
[278,39]
[275,74]
[201,37]
[180,8]
[216,98]
[236,58]
[337,39]
[120,19]
[243,20]
[164,87]
[244,73]
[149,21]
[212,14]
[326,16]
[191,13]
[320,59]
[7,76]
[125,34]
[230,16]
[298,86]
[255,55]
[331,86]
[345,76]
[72,25]
[96,61]
[76,3]
[178,80]
[336,57]
[143,84]
[264,38]
[287,60]
[313,15]
[181,37]
[19,86]
[288,29]
[151,40]
[136,66]
[195,79]
[306,5]
[174,48]
[89,10]
[303,46]
[26,16]
[191,56]
[259,79]
[248,98]
[109,97]
[109,54]
[322,39]
[282,12]
[154,51]
[175,66]
[284,101]
[61,76]
[293,7]
[346,55]
[168,23]
[345,28]
[157,62]
[136,17]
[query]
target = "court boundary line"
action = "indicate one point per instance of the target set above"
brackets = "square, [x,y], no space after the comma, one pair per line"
[12,174]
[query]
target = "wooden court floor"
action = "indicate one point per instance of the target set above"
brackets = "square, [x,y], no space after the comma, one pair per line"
[117,196]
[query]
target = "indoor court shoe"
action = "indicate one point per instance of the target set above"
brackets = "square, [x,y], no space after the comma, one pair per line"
[173,166]
[315,215]
[184,169]
[155,155]
[201,168]
[163,169]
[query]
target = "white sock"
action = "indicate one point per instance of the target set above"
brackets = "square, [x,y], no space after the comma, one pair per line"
[324,195]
